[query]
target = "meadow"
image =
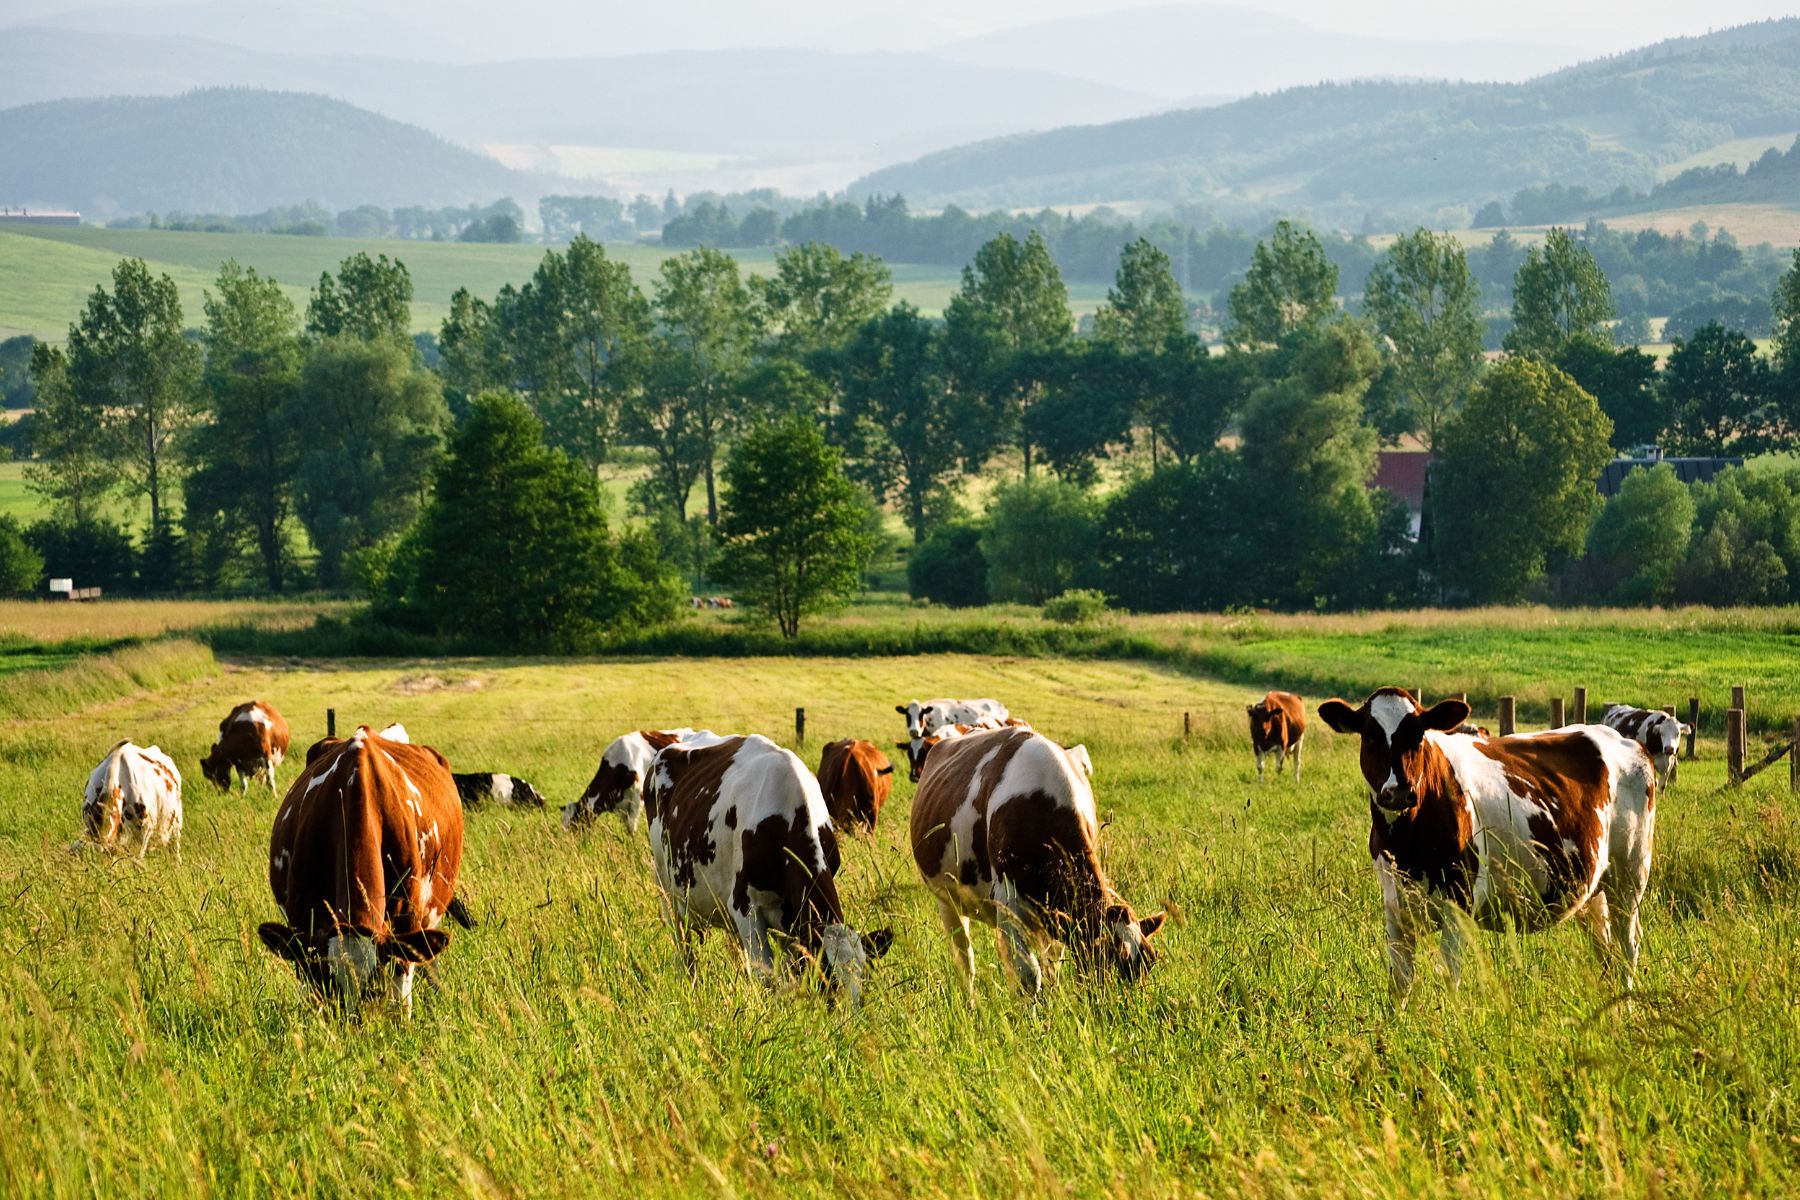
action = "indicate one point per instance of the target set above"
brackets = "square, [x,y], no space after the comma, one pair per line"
[149,1045]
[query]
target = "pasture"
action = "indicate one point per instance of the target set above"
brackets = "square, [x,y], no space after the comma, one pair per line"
[150,1045]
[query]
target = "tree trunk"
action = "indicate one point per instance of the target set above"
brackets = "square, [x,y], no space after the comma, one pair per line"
[712,495]
[269,536]
[155,482]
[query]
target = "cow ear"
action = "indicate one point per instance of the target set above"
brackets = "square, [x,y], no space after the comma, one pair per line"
[901,709]
[1079,756]
[282,941]
[903,745]
[1151,923]
[887,770]
[420,946]
[1445,715]
[1341,717]
[876,944]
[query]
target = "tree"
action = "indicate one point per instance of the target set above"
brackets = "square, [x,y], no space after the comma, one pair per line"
[369,298]
[369,422]
[1514,486]
[796,533]
[659,413]
[21,567]
[1002,327]
[817,299]
[1143,320]
[1040,540]
[1716,389]
[73,470]
[132,371]
[899,415]
[705,318]
[1173,541]
[472,350]
[1640,537]
[1427,306]
[245,453]
[1624,382]
[1091,394]
[949,568]
[1746,547]
[1290,285]
[513,546]
[1193,395]
[1559,293]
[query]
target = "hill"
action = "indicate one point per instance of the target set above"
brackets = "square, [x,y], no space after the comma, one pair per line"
[232,150]
[1392,152]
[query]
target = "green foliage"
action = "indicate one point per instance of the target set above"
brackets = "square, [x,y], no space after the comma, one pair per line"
[707,324]
[1514,489]
[1143,308]
[1427,306]
[1716,388]
[1639,539]
[1746,547]
[94,553]
[1624,382]
[369,298]
[1172,541]
[949,568]
[514,548]
[1077,606]
[73,471]
[1560,293]
[1040,539]
[16,389]
[369,422]
[796,534]
[1089,399]
[1786,309]
[21,566]
[1291,285]
[817,298]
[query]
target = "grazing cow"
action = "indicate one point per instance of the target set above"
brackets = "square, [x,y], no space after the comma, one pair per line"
[133,798]
[253,739]
[1004,830]
[1530,829]
[742,841]
[618,782]
[1278,727]
[1656,731]
[363,860]
[925,716]
[856,779]
[477,789]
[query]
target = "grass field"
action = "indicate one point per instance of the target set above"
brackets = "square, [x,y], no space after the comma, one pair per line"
[47,274]
[149,1045]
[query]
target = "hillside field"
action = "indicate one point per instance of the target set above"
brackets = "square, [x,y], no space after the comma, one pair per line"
[149,1045]
[46,274]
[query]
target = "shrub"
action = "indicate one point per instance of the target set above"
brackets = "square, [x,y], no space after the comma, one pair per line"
[949,567]
[1041,540]
[1077,606]
[21,567]
[94,553]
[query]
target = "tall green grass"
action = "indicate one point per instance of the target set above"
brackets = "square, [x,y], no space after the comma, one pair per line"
[85,680]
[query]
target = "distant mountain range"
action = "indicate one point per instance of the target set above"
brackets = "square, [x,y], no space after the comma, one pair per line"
[1389,152]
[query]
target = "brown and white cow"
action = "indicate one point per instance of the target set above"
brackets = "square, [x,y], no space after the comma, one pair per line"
[133,799]
[1004,830]
[919,748]
[363,860]
[1278,727]
[1656,731]
[253,739]
[742,842]
[618,783]
[856,779]
[1530,829]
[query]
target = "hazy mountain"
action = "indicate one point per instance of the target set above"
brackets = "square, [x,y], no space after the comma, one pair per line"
[1186,49]
[233,151]
[1395,151]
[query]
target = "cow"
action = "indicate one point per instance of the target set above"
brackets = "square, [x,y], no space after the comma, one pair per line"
[1278,727]
[253,739]
[1004,830]
[742,841]
[478,788]
[362,860]
[856,779]
[133,800]
[1529,830]
[618,782]
[924,716]
[1656,731]
[918,748]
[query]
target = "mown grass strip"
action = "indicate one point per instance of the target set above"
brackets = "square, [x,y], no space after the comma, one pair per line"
[96,678]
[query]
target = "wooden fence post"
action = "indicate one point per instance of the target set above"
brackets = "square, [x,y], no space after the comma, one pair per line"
[1509,716]
[1675,765]
[331,722]
[1187,724]
[800,726]
[1737,699]
[1693,723]
[1734,744]
[1556,712]
[1580,707]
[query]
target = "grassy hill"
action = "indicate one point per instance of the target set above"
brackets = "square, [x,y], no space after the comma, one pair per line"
[1350,152]
[232,150]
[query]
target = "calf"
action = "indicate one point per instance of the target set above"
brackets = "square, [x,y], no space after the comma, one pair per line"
[474,790]
[133,799]
[363,860]
[1530,829]
[1278,727]
[856,779]
[618,782]
[742,841]
[1657,732]
[1004,830]
[253,739]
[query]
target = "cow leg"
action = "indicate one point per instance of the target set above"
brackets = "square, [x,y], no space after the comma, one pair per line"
[956,924]
[1450,939]
[1297,760]
[630,811]
[681,931]
[753,933]
[403,985]
[1595,916]
[1280,760]
[1014,923]
[1401,935]
[1259,766]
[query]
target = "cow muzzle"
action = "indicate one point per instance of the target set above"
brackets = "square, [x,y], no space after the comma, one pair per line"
[1394,797]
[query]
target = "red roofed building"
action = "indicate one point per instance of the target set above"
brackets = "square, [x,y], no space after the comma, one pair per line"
[1402,472]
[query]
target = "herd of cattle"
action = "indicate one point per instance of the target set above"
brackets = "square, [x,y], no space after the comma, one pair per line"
[1530,829]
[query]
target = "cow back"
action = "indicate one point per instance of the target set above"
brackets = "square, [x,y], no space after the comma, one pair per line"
[856,779]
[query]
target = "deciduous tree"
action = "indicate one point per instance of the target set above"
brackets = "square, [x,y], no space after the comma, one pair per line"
[1426,305]
[1559,293]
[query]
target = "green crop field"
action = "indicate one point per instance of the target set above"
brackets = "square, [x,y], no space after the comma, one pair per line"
[47,274]
[150,1046]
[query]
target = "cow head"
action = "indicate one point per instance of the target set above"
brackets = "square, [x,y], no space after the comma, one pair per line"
[344,963]
[1124,940]
[217,768]
[102,813]
[615,784]
[524,793]
[915,714]
[1393,728]
[847,955]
